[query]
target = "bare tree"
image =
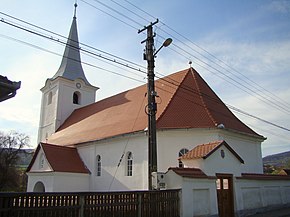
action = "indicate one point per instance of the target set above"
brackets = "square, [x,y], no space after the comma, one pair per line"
[11,144]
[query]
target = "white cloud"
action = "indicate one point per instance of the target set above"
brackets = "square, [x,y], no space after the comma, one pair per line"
[282,6]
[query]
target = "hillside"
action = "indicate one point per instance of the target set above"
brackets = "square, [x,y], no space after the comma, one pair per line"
[277,160]
[25,157]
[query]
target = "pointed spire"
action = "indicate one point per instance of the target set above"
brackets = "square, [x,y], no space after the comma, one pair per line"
[71,67]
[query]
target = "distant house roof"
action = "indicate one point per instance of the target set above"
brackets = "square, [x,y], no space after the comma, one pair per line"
[185,101]
[189,172]
[8,88]
[205,150]
[287,171]
[61,159]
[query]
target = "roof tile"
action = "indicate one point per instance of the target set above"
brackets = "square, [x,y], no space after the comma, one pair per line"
[61,159]
[205,150]
[185,101]
[189,172]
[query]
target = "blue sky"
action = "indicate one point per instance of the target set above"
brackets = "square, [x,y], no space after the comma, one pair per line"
[251,40]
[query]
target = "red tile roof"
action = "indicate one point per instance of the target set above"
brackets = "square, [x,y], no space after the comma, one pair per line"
[185,101]
[205,150]
[189,172]
[254,176]
[61,159]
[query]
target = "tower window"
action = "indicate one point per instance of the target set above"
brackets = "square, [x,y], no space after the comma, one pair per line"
[41,161]
[129,164]
[98,166]
[181,153]
[49,98]
[76,97]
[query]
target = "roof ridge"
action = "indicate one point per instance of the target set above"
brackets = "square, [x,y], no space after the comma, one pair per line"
[201,97]
[173,95]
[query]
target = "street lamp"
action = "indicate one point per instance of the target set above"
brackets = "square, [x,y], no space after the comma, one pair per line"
[166,43]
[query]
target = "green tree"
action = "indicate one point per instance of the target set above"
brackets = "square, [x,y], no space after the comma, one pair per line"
[11,144]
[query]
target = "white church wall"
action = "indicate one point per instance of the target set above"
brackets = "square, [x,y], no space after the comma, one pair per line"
[249,149]
[215,163]
[113,177]
[170,142]
[47,111]
[54,113]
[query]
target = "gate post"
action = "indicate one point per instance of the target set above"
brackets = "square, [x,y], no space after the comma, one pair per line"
[139,204]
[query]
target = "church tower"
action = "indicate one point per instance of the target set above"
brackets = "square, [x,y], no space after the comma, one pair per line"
[67,90]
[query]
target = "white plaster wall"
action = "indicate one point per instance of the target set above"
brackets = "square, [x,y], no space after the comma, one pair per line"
[194,163]
[173,181]
[70,182]
[170,142]
[249,150]
[65,98]
[47,112]
[254,194]
[59,182]
[36,166]
[53,115]
[46,178]
[114,178]
[216,164]
[199,197]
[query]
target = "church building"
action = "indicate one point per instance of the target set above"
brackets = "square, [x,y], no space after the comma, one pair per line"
[202,147]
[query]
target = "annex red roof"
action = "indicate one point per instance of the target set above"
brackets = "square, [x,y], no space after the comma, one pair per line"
[189,172]
[205,150]
[185,101]
[61,159]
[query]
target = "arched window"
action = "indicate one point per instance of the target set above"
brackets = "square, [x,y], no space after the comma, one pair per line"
[98,165]
[39,187]
[129,164]
[77,98]
[181,152]
[49,98]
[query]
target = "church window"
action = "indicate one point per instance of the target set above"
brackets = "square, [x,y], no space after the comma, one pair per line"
[76,97]
[99,166]
[49,98]
[41,161]
[129,164]
[181,153]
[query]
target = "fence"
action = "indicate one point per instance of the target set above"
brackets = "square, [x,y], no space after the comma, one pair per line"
[104,204]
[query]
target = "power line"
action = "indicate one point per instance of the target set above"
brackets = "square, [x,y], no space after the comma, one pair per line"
[57,54]
[50,38]
[274,103]
[109,14]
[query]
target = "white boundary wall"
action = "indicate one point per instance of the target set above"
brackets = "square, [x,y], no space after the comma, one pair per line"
[256,195]
[199,195]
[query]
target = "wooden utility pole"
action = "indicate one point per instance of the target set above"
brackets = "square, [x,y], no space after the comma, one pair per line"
[152,106]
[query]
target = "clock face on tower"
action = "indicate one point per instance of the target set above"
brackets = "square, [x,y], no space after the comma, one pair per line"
[78,85]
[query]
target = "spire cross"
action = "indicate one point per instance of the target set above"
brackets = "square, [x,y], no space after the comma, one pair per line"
[75,5]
